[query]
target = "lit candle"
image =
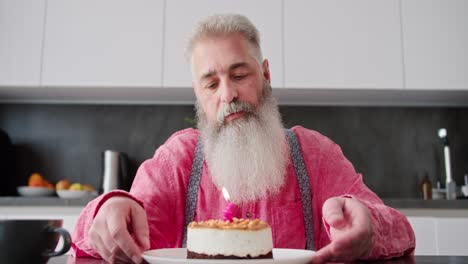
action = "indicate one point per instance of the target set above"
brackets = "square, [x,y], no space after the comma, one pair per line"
[227,212]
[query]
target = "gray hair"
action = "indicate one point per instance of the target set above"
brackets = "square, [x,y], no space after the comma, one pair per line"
[223,25]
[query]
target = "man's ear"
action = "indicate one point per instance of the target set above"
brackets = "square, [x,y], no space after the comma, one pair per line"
[266,70]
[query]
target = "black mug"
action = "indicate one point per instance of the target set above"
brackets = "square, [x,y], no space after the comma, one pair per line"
[31,241]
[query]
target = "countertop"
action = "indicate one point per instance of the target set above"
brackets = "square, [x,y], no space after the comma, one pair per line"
[42,201]
[399,203]
[408,260]
[426,204]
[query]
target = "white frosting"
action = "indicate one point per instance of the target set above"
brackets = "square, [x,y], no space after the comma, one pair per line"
[212,241]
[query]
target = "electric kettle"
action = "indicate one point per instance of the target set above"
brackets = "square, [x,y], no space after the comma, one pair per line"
[115,174]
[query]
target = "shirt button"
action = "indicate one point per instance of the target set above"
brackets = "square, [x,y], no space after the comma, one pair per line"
[247,214]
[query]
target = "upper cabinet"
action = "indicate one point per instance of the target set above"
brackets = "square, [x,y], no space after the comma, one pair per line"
[21,32]
[103,43]
[327,52]
[342,44]
[182,16]
[435,38]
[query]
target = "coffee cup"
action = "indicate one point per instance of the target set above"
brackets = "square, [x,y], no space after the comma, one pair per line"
[31,241]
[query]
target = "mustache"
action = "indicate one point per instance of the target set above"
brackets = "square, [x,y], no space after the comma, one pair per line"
[231,108]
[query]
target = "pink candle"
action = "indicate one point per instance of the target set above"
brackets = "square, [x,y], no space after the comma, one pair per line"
[227,212]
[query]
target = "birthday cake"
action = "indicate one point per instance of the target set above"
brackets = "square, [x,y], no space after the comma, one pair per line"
[239,239]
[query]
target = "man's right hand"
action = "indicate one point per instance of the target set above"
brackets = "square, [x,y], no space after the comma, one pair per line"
[120,230]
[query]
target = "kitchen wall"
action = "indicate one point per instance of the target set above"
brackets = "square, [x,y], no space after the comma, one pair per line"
[393,147]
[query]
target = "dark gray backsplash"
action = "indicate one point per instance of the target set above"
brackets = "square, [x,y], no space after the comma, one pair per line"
[392,147]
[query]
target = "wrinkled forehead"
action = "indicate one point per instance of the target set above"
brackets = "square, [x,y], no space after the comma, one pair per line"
[218,54]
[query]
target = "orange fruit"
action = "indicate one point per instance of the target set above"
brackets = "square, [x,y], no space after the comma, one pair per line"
[35,179]
[36,183]
[62,185]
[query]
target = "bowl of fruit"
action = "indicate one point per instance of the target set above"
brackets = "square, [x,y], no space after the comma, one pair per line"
[37,186]
[67,190]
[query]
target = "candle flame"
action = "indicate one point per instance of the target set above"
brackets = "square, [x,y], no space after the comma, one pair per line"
[226,194]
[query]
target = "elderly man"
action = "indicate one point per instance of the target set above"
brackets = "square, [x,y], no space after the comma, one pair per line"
[296,180]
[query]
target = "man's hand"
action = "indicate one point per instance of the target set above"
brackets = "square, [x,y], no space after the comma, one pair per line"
[120,231]
[350,229]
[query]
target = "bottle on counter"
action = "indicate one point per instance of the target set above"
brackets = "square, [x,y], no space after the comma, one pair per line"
[426,188]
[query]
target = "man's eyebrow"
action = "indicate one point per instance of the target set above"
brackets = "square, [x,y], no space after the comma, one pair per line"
[208,74]
[233,66]
[239,65]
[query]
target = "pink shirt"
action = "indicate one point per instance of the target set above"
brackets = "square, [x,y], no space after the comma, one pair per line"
[161,184]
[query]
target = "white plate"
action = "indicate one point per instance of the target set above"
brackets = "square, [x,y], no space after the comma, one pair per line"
[178,255]
[72,194]
[34,191]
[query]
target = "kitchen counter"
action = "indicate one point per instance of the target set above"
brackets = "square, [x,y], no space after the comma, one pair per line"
[398,203]
[42,201]
[402,203]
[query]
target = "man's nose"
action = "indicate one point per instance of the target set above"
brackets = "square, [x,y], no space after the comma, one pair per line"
[228,92]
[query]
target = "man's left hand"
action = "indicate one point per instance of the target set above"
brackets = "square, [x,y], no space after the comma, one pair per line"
[350,230]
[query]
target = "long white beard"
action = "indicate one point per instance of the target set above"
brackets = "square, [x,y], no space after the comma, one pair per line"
[247,156]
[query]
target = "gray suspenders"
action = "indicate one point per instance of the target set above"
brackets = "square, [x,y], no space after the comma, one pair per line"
[193,186]
[302,178]
[304,187]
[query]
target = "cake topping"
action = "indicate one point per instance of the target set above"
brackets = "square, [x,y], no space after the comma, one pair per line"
[242,224]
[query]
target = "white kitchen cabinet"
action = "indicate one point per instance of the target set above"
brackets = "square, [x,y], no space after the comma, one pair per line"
[439,231]
[342,44]
[435,38]
[21,35]
[426,237]
[182,16]
[452,236]
[103,43]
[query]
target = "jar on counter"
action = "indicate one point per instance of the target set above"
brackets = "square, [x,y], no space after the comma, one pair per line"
[426,188]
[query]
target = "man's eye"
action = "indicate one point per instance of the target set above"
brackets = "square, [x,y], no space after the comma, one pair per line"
[211,85]
[240,77]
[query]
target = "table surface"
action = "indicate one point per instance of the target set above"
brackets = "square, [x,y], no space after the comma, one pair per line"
[66,259]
